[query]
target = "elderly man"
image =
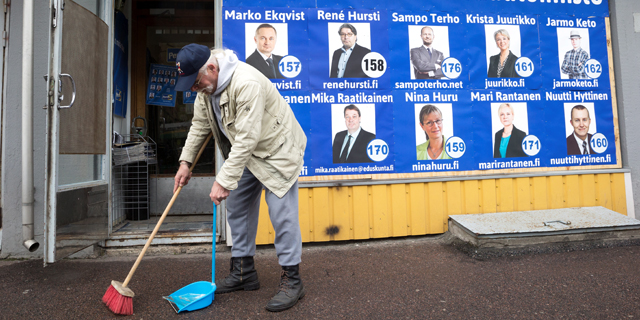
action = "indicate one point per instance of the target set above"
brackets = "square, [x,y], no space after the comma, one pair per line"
[426,60]
[350,146]
[263,146]
[347,61]
[575,59]
[262,59]
[579,142]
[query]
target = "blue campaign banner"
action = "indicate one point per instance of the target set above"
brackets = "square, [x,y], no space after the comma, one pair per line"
[509,128]
[189,97]
[352,133]
[279,34]
[431,131]
[429,50]
[120,64]
[574,57]
[300,102]
[162,83]
[350,49]
[504,52]
[579,118]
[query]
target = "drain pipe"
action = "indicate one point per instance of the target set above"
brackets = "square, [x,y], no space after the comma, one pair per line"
[27,127]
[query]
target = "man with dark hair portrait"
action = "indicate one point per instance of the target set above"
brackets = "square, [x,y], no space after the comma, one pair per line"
[425,59]
[262,59]
[347,61]
[579,142]
[350,146]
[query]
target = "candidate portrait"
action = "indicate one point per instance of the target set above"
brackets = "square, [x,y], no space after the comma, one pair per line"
[346,61]
[573,52]
[503,49]
[435,125]
[510,129]
[580,128]
[263,46]
[350,145]
[429,46]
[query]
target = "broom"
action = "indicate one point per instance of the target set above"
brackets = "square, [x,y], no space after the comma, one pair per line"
[119,298]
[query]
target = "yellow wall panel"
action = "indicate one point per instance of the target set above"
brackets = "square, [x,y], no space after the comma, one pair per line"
[540,201]
[505,195]
[340,228]
[555,191]
[471,197]
[436,208]
[399,210]
[603,191]
[523,194]
[588,190]
[321,214]
[381,214]
[488,191]
[572,194]
[618,194]
[304,214]
[396,210]
[418,209]
[360,200]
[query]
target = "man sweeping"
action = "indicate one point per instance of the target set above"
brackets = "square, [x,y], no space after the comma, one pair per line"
[263,146]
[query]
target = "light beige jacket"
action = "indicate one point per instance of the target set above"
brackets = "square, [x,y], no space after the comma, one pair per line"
[263,134]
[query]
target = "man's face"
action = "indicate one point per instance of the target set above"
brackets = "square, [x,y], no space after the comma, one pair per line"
[265,40]
[427,36]
[580,121]
[352,120]
[207,83]
[575,43]
[347,37]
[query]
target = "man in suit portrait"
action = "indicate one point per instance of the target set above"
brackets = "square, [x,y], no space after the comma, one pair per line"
[350,146]
[425,59]
[347,61]
[579,142]
[262,59]
[575,59]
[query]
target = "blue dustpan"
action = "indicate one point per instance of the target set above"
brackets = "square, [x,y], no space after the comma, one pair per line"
[199,294]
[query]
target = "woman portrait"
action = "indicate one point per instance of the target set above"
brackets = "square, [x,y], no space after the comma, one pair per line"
[508,140]
[432,124]
[503,64]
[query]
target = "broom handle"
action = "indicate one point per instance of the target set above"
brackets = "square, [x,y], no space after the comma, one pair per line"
[164,215]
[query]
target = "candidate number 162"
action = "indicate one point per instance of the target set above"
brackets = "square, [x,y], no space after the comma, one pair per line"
[374,65]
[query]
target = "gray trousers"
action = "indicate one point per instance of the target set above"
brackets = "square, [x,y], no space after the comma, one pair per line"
[243,205]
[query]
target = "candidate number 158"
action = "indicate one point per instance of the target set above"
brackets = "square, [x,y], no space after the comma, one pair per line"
[374,65]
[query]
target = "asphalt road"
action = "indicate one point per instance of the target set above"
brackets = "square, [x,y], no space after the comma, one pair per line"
[415,278]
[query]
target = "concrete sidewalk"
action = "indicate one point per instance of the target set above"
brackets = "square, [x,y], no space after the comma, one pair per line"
[413,278]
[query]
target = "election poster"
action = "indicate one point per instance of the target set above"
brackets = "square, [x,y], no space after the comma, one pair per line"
[161,85]
[408,87]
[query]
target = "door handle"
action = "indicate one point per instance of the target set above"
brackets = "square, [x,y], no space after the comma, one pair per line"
[61,96]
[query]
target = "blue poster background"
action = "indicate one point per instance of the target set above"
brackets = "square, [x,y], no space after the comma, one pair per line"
[540,102]
[556,33]
[161,90]
[120,64]
[292,39]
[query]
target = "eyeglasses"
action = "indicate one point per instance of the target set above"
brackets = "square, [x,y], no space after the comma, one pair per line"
[197,84]
[346,35]
[431,123]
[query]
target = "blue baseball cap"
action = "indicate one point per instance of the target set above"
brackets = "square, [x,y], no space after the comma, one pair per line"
[189,61]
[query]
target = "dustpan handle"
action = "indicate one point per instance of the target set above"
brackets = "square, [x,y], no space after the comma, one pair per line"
[213,247]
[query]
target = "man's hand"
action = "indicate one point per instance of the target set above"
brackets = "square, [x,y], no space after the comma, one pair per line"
[182,177]
[218,193]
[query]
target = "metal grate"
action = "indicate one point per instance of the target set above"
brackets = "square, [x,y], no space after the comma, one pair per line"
[134,162]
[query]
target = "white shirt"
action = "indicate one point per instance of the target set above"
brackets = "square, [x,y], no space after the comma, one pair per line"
[580,141]
[354,136]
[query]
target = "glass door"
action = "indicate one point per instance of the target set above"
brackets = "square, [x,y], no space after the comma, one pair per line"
[78,126]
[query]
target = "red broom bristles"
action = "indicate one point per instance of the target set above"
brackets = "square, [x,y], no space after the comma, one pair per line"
[118,303]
